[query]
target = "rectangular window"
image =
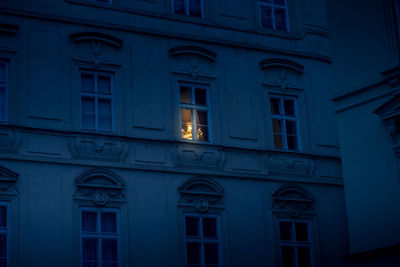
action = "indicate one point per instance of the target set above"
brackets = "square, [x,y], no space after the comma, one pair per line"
[274,14]
[4,234]
[100,236]
[295,243]
[96,101]
[194,112]
[3,91]
[284,122]
[190,8]
[202,241]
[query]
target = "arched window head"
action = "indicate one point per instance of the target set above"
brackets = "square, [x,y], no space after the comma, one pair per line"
[292,199]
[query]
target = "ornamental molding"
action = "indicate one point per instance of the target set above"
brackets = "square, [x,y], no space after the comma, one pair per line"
[9,140]
[201,194]
[112,149]
[197,157]
[8,179]
[193,50]
[99,186]
[282,73]
[290,165]
[293,200]
[281,63]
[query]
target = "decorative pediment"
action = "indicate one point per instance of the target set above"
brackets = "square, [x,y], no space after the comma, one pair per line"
[96,37]
[99,185]
[281,63]
[293,199]
[8,179]
[201,194]
[193,50]
[282,73]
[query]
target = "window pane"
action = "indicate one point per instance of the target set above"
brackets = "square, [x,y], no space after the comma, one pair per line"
[179,6]
[278,141]
[186,93]
[292,142]
[210,227]
[202,133]
[104,84]
[105,107]
[3,72]
[291,127]
[304,256]
[187,128]
[87,82]
[108,222]
[192,226]
[193,252]
[89,249]
[289,107]
[3,246]
[211,253]
[109,250]
[277,126]
[186,115]
[275,106]
[284,228]
[266,16]
[201,117]
[87,105]
[3,217]
[280,19]
[88,122]
[301,231]
[89,221]
[194,8]
[200,96]
[288,256]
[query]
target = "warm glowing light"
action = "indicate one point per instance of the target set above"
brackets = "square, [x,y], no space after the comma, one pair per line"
[187,133]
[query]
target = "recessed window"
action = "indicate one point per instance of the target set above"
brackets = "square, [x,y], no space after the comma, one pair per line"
[3,91]
[284,122]
[295,243]
[202,241]
[96,101]
[100,238]
[194,111]
[4,234]
[190,8]
[274,14]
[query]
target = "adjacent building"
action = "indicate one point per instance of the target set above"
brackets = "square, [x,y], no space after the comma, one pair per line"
[168,133]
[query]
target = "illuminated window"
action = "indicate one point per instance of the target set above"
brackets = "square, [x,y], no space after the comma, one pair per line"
[284,122]
[96,101]
[202,241]
[3,91]
[295,243]
[4,234]
[190,8]
[100,237]
[274,14]
[194,112]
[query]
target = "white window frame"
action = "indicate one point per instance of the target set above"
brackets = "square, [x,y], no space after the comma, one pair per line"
[99,235]
[96,97]
[285,118]
[5,84]
[273,6]
[193,108]
[6,231]
[296,244]
[187,11]
[201,239]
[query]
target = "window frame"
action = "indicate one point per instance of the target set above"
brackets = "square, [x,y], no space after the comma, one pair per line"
[193,108]
[5,84]
[273,6]
[100,235]
[7,231]
[187,10]
[96,97]
[201,239]
[295,244]
[284,118]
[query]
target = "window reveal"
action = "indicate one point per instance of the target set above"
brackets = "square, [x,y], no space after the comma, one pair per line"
[194,112]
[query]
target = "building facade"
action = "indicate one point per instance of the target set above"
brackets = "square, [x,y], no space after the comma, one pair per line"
[365,56]
[168,133]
